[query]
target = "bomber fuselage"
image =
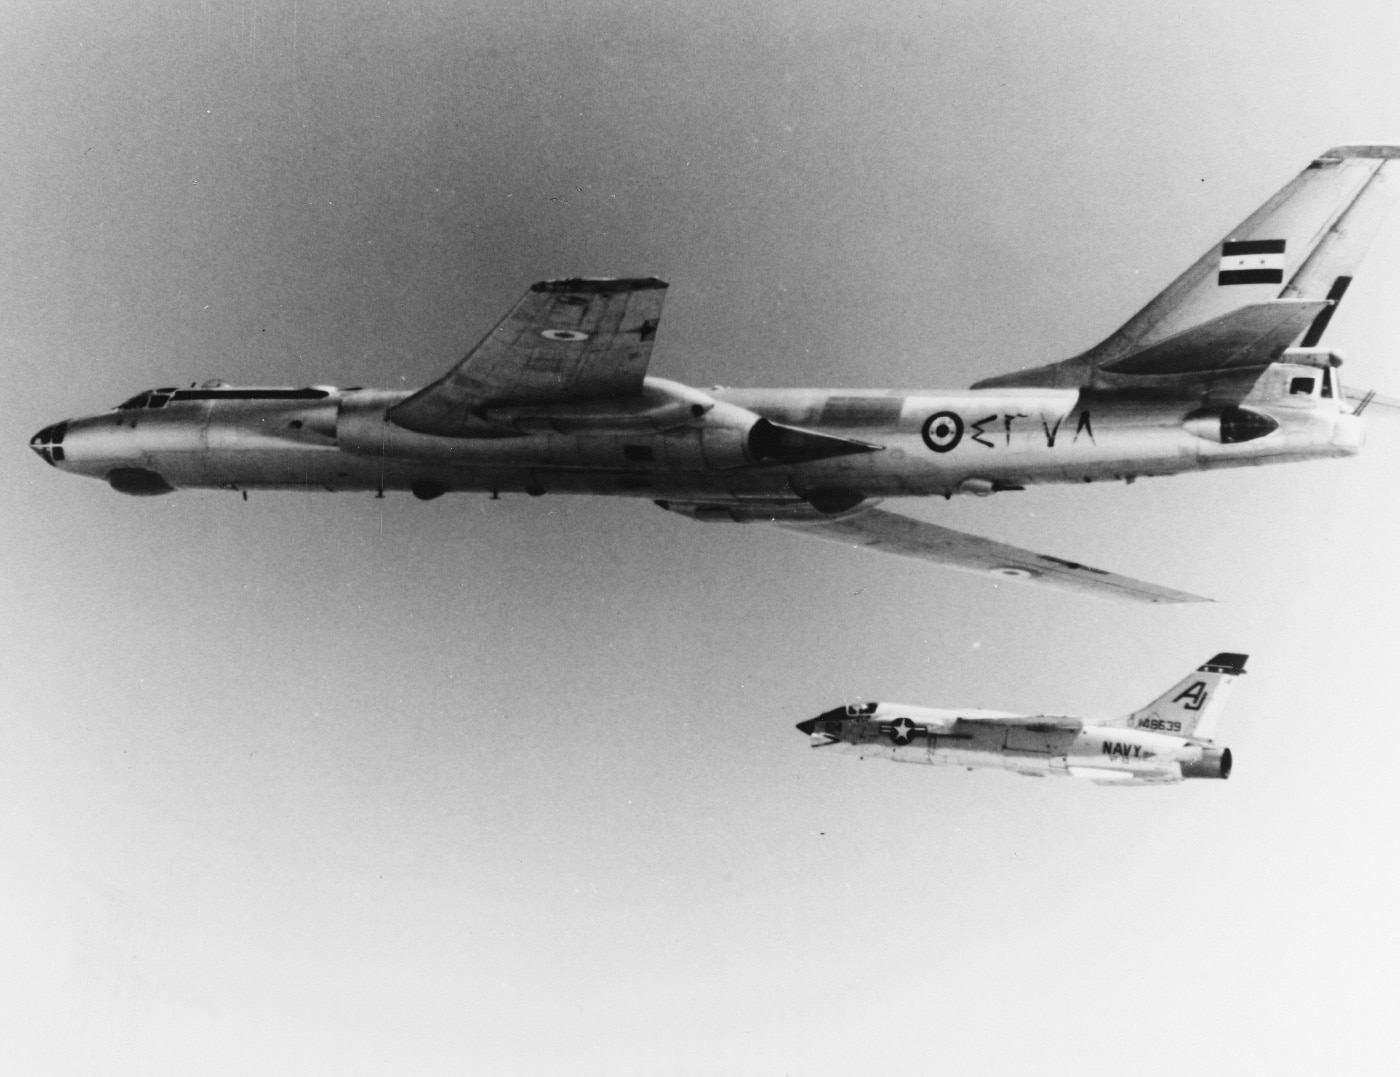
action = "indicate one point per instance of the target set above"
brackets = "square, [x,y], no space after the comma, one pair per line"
[719,445]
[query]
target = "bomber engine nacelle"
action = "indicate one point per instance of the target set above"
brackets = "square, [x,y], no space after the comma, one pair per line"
[1214,763]
[682,428]
[730,436]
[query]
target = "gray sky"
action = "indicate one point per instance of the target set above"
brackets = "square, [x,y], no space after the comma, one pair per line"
[330,784]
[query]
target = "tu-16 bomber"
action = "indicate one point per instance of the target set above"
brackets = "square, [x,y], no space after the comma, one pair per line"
[1170,739]
[1222,369]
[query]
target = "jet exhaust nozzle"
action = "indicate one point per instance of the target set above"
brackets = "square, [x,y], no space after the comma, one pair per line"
[1214,763]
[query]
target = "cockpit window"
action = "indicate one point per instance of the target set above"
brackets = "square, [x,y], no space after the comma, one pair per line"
[1327,384]
[1302,386]
[251,394]
[158,398]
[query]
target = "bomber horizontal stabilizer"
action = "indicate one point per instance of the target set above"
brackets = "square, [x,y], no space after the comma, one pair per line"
[903,536]
[1245,337]
[1370,399]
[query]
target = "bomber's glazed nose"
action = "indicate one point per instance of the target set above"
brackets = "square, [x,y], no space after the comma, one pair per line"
[48,443]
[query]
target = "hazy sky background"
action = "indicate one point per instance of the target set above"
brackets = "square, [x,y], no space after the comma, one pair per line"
[331,784]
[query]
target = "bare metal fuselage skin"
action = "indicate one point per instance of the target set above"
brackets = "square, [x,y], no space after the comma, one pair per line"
[677,444]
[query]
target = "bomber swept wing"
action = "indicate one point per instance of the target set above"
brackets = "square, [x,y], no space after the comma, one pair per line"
[904,536]
[566,340]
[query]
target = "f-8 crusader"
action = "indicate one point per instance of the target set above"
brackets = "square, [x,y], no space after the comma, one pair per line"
[1222,369]
[1170,739]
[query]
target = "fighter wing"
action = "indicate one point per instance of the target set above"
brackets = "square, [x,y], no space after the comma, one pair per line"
[903,536]
[1044,723]
[565,340]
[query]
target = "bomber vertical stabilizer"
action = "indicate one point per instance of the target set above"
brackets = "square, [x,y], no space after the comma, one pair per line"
[1274,280]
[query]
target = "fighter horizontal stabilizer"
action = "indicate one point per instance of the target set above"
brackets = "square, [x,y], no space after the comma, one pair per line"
[903,536]
[1246,337]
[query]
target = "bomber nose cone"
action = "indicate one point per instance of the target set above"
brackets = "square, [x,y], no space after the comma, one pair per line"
[48,443]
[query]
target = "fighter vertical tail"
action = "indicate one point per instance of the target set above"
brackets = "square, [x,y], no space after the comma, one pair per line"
[1191,707]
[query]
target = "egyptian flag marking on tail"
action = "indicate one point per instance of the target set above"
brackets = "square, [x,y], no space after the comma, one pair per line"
[1252,261]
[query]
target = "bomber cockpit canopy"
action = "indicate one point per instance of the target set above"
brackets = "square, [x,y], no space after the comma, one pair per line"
[158,398]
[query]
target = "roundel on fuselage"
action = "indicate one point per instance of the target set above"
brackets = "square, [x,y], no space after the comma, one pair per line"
[942,431]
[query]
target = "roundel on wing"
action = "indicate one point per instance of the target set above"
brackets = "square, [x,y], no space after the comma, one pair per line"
[563,334]
[943,430]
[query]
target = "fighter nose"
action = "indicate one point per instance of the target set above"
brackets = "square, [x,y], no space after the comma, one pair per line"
[809,726]
[48,443]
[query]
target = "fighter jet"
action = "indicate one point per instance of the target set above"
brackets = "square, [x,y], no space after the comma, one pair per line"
[1170,739]
[1222,369]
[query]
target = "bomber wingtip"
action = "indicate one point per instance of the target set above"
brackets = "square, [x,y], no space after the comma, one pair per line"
[599,285]
[1174,598]
[1374,150]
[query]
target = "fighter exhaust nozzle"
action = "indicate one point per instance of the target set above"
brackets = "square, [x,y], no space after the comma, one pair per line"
[1214,763]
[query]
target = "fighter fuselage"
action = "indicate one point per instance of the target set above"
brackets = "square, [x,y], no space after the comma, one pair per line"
[1028,745]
